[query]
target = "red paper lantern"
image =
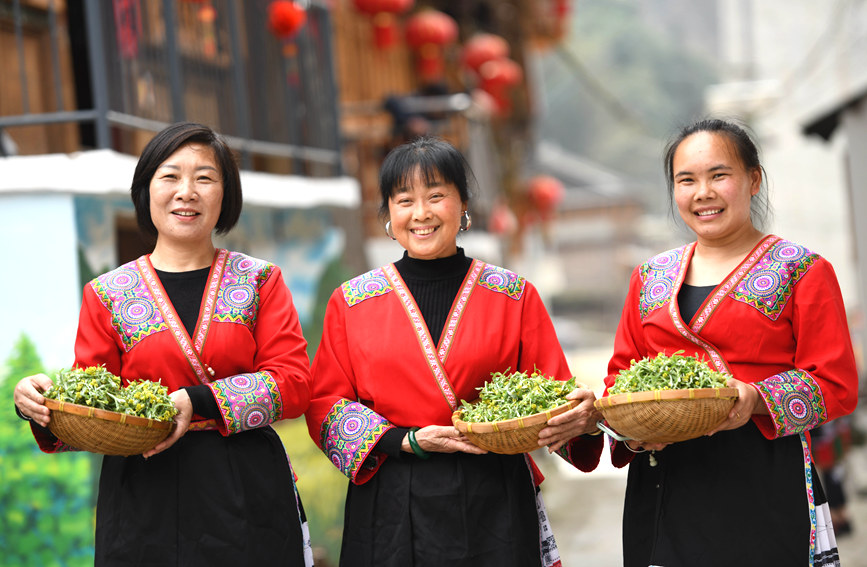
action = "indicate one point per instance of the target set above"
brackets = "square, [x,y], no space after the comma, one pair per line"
[427,33]
[546,192]
[285,18]
[384,14]
[207,14]
[502,220]
[498,76]
[484,47]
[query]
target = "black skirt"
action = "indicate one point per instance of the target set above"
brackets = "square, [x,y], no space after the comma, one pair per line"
[735,498]
[457,509]
[208,500]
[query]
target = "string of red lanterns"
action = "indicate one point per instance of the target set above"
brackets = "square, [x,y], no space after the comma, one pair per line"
[483,47]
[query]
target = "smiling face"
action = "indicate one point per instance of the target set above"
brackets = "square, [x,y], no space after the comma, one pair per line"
[426,217]
[186,195]
[713,189]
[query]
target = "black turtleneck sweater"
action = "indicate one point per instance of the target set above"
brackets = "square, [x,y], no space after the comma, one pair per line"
[434,284]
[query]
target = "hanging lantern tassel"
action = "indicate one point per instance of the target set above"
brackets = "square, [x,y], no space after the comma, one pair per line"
[430,62]
[562,10]
[428,33]
[385,31]
[207,15]
[384,14]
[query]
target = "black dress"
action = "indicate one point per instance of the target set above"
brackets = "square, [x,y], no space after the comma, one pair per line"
[453,509]
[209,500]
[709,478]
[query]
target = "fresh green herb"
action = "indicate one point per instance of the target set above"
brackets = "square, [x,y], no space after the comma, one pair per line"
[516,394]
[96,387]
[662,372]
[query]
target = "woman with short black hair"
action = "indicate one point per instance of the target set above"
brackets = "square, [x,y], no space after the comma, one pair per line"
[402,346]
[218,328]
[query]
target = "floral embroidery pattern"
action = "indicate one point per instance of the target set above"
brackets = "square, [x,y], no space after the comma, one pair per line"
[503,281]
[372,284]
[424,338]
[457,312]
[238,297]
[658,277]
[794,400]
[248,401]
[133,311]
[770,283]
[808,475]
[348,434]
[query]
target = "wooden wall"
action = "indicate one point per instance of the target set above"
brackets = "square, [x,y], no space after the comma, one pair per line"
[40,94]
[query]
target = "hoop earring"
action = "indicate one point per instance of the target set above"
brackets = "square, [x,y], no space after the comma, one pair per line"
[388,231]
[469,221]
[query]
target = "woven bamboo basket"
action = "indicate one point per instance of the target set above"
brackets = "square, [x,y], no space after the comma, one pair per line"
[510,436]
[103,431]
[667,416]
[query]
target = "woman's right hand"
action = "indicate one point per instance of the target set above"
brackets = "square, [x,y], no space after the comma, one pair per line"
[29,400]
[441,439]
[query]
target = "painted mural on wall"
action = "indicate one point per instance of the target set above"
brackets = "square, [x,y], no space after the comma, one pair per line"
[303,242]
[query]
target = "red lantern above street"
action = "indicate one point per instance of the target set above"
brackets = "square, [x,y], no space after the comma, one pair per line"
[285,18]
[427,33]
[502,221]
[498,76]
[384,14]
[546,192]
[484,47]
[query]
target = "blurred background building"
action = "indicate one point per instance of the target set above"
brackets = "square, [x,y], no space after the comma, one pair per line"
[562,108]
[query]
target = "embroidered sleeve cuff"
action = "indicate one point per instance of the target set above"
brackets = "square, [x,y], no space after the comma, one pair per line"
[794,401]
[247,401]
[348,435]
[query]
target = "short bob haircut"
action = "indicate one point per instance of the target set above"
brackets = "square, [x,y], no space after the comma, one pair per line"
[745,147]
[434,158]
[163,145]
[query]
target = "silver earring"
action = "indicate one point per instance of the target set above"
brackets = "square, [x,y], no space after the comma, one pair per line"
[469,221]
[388,232]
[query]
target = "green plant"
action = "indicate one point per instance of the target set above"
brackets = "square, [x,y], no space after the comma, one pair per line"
[516,394]
[96,387]
[662,372]
[46,500]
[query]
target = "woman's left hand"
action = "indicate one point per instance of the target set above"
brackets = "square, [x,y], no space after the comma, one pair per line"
[749,402]
[181,400]
[577,421]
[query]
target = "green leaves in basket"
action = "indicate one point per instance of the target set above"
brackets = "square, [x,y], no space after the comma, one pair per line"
[516,394]
[96,387]
[663,372]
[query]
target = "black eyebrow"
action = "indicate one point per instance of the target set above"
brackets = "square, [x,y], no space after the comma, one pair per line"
[714,168]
